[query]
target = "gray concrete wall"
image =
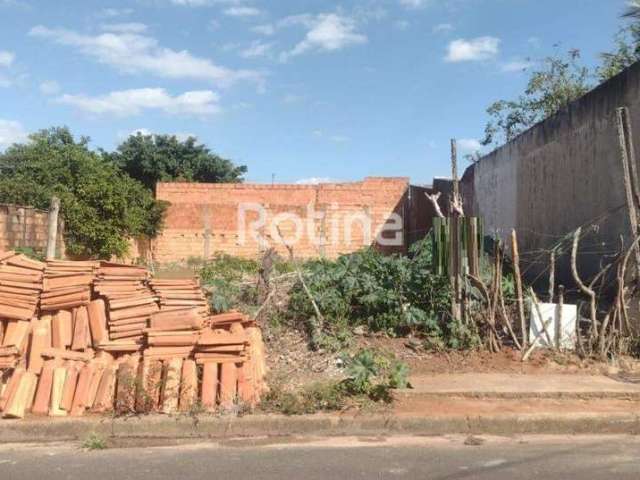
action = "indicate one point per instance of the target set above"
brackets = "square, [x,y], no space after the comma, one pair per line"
[562,173]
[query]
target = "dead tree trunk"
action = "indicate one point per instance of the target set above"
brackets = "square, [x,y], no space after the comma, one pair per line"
[629,176]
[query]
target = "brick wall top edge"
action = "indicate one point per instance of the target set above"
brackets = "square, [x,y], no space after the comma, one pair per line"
[178,186]
[26,207]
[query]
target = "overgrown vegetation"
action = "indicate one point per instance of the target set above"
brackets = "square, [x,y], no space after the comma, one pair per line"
[370,378]
[556,81]
[395,294]
[230,280]
[233,281]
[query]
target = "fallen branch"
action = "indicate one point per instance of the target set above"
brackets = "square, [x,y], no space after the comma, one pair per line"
[315,327]
[264,304]
[535,340]
[536,304]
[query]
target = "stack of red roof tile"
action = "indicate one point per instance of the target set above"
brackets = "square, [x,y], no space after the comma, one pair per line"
[178,294]
[129,300]
[112,344]
[20,287]
[67,284]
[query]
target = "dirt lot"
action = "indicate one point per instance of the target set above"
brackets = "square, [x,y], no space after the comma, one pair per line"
[292,364]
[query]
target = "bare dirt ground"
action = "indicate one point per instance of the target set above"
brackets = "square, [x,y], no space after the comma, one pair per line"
[293,364]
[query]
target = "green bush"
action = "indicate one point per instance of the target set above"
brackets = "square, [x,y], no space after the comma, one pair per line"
[392,293]
[101,206]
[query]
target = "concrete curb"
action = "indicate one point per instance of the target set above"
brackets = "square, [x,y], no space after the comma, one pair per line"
[165,427]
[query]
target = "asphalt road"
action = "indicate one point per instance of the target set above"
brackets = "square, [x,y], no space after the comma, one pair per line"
[540,458]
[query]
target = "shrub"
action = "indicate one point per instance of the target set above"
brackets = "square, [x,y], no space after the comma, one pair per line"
[392,293]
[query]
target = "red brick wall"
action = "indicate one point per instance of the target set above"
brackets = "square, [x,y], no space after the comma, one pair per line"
[204,218]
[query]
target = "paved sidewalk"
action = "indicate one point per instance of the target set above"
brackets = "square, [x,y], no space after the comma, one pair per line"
[498,404]
[500,385]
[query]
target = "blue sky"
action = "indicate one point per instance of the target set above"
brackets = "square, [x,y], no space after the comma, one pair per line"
[299,89]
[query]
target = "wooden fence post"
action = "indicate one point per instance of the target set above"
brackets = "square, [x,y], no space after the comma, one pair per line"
[516,272]
[52,236]
[454,237]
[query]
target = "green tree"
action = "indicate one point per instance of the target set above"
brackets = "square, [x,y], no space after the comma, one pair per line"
[553,83]
[160,158]
[101,206]
[627,45]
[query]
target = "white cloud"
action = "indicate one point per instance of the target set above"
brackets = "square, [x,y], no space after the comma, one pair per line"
[414,4]
[476,49]
[327,32]
[6,58]
[401,24]
[442,28]
[145,132]
[134,53]
[132,102]
[516,66]
[130,27]
[469,145]
[256,49]
[115,12]
[11,132]
[242,12]
[314,180]
[49,87]
[267,29]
